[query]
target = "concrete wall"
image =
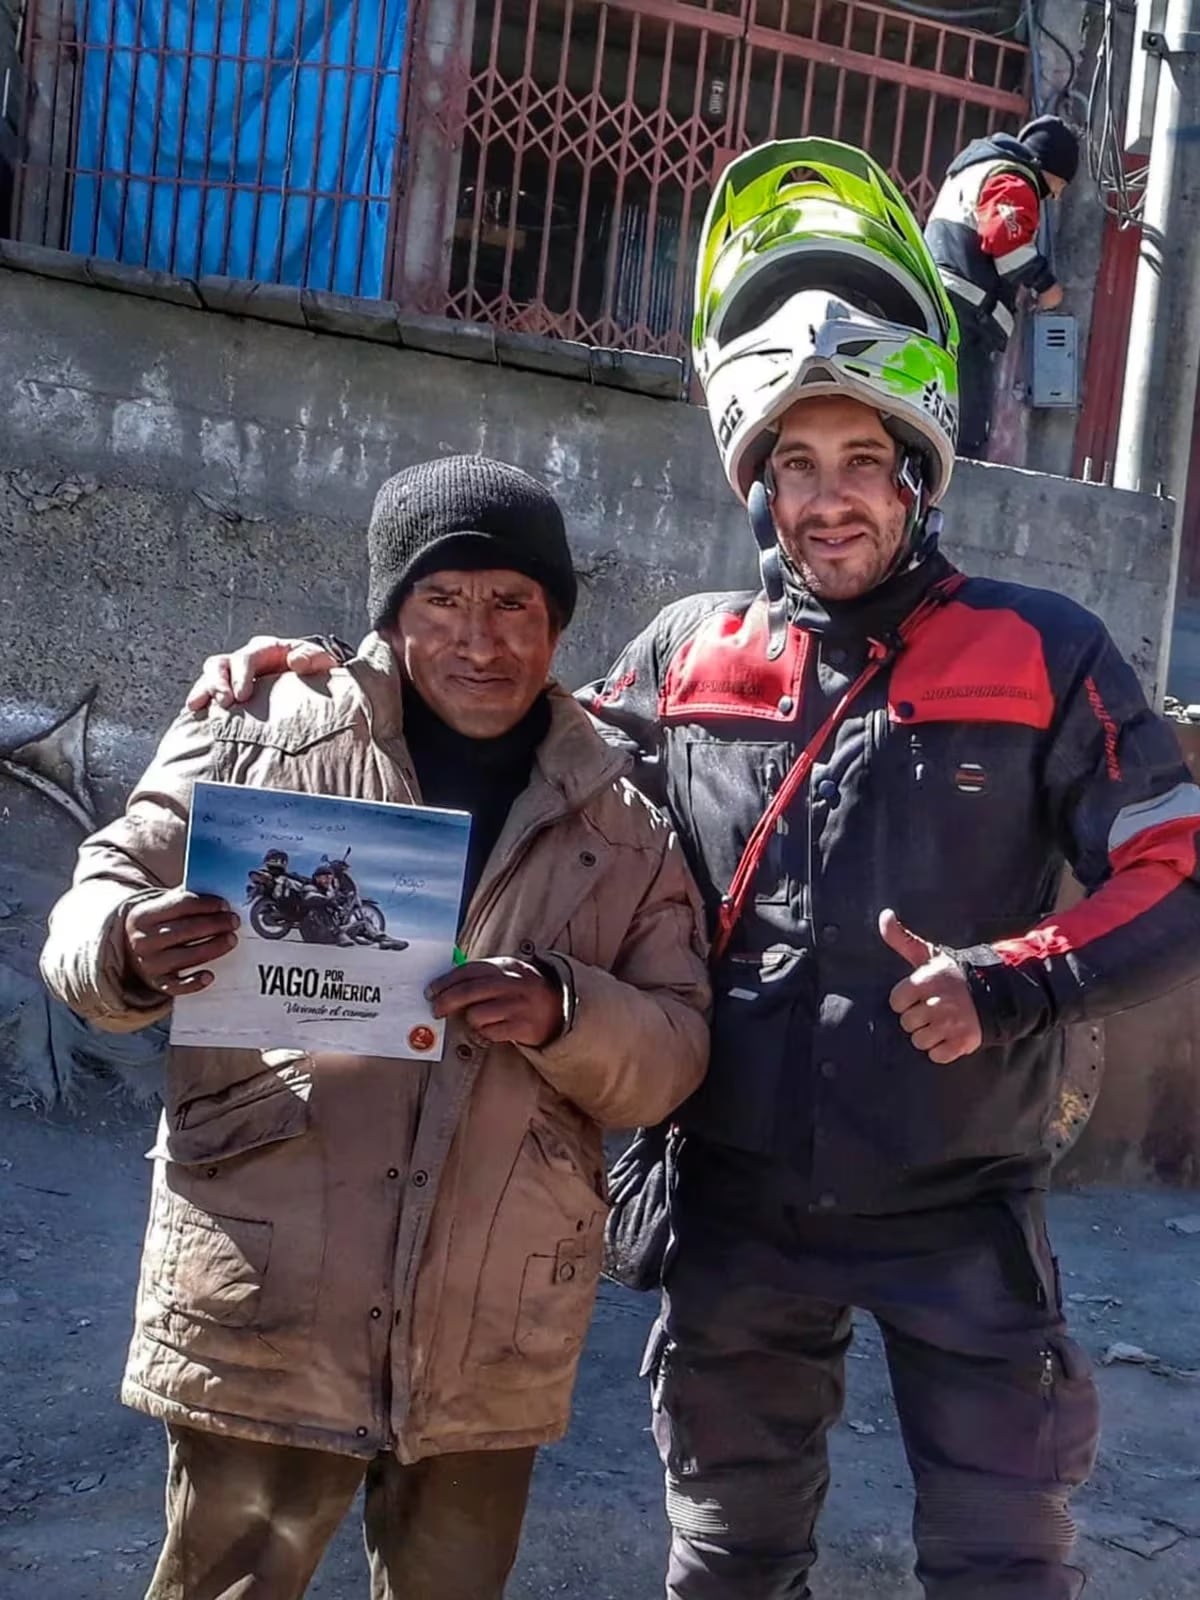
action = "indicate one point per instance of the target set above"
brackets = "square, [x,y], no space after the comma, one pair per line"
[223,471]
[172,480]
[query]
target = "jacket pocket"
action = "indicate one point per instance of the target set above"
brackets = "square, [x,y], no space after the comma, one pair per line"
[537,1283]
[260,1110]
[209,1267]
[744,1099]
[236,1236]
[1075,1410]
[729,786]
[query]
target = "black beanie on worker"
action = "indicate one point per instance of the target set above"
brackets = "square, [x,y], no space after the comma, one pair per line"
[465,514]
[1053,146]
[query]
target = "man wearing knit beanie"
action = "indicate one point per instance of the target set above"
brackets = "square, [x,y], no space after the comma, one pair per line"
[983,233]
[466,513]
[381,1272]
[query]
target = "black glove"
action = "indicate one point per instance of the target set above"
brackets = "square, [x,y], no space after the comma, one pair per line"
[639,1225]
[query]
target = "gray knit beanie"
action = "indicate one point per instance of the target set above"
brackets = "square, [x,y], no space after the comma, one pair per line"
[465,513]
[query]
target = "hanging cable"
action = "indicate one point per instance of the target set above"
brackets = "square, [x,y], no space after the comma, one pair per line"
[1054,39]
[1121,191]
[1062,95]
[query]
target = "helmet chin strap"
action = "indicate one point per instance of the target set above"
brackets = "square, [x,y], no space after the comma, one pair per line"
[770,563]
[922,522]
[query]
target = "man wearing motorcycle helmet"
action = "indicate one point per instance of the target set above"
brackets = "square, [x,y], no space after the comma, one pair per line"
[380,1272]
[276,860]
[277,863]
[878,767]
[321,891]
[285,885]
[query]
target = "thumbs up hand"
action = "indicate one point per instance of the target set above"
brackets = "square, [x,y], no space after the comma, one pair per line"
[934,1002]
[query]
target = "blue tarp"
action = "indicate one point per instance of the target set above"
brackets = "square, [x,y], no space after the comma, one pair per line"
[226,116]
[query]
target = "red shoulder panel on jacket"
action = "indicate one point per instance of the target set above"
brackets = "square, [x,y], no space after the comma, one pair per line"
[723,671]
[973,665]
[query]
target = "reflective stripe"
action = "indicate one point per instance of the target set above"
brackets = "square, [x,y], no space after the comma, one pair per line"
[963,287]
[1016,259]
[1174,805]
[974,295]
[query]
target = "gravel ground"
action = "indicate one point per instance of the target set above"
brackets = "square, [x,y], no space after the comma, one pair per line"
[81,1478]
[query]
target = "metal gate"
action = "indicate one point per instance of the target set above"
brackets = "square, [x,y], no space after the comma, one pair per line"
[562,152]
[248,137]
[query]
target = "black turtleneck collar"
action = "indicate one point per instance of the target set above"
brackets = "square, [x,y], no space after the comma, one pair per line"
[425,731]
[480,776]
[873,615]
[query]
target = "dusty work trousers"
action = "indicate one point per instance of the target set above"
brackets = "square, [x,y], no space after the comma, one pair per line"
[251,1521]
[997,1406]
[978,352]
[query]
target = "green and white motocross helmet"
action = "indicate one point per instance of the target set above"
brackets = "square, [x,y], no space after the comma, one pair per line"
[814,279]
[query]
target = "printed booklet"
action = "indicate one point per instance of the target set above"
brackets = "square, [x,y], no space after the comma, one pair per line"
[349,908]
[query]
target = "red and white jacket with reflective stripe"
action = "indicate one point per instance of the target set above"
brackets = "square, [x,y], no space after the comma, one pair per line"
[983,229]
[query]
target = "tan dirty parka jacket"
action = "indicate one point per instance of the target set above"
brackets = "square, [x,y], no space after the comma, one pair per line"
[362,1254]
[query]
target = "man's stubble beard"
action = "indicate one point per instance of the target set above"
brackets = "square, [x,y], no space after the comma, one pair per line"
[882,569]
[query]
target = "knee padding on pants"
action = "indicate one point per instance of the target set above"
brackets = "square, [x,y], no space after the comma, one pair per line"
[977,1513]
[745,1508]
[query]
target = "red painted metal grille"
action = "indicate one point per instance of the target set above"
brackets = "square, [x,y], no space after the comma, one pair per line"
[573,145]
[911,92]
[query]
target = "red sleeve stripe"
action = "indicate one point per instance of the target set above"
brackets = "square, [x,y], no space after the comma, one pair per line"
[1146,869]
[1170,843]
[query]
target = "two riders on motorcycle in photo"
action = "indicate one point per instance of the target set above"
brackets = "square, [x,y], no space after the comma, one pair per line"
[325,908]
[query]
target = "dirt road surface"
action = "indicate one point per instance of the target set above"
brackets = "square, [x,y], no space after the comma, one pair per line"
[81,1478]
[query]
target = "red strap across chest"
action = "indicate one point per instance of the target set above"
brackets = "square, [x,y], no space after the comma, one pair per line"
[739,889]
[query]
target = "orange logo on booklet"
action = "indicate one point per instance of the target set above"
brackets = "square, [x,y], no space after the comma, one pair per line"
[421,1038]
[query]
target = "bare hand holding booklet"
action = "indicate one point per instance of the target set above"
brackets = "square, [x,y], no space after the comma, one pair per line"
[349,909]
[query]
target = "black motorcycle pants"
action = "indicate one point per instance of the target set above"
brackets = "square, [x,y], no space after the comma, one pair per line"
[997,1406]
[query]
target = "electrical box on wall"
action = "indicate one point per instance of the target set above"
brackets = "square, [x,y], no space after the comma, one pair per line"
[1053,361]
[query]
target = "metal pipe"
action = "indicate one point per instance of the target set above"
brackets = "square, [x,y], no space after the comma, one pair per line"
[1159,397]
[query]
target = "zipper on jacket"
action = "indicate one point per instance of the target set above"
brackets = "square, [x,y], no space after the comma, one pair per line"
[772,778]
[478,914]
[398,1410]
[917,753]
[1047,1377]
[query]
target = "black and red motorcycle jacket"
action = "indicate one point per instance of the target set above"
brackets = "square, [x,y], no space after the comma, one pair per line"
[1005,738]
